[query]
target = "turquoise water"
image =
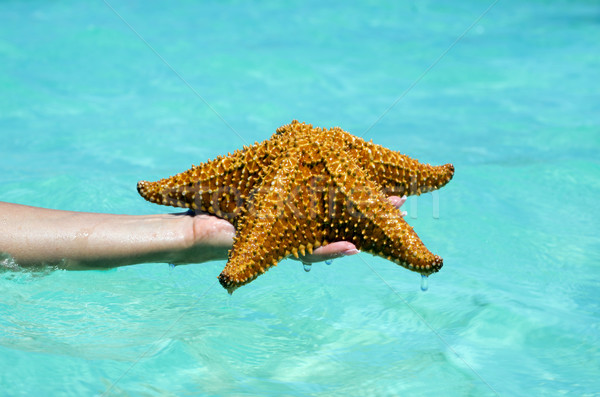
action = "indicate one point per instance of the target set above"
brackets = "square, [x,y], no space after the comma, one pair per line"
[91,104]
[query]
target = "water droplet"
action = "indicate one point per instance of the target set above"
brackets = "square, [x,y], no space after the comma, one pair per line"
[424,283]
[329,262]
[171,266]
[307,266]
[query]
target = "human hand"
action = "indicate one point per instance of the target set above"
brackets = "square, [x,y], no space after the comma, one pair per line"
[210,238]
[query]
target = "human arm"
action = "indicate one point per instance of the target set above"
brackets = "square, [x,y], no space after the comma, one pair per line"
[75,240]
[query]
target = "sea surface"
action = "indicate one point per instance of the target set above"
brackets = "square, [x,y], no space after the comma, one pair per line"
[95,96]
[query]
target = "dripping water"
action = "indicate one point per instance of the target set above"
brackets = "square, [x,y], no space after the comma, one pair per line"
[306,266]
[329,262]
[424,283]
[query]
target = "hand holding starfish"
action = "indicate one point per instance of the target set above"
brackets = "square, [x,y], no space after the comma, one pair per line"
[212,234]
[80,240]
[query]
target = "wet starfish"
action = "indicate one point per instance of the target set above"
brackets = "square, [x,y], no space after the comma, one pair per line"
[304,188]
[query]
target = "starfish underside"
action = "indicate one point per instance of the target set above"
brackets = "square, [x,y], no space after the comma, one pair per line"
[304,188]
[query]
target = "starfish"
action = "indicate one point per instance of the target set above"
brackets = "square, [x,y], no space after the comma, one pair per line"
[304,188]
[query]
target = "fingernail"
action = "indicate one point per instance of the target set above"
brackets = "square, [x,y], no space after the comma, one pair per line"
[349,252]
[403,213]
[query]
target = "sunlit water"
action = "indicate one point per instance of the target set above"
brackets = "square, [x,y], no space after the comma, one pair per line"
[88,108]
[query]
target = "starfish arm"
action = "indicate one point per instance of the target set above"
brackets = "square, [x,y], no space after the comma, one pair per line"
[219,187]
[373,224]
[265,233]
[197,188]
[399,174]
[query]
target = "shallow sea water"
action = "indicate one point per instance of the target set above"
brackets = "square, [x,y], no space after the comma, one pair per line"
[95,97]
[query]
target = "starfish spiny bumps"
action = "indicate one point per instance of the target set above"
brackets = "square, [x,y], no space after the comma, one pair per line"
[304,188]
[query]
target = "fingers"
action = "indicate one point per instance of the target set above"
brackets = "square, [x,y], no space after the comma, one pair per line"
[398,202]
[330,251]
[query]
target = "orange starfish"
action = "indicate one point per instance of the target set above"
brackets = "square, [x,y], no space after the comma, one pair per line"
[304,188]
